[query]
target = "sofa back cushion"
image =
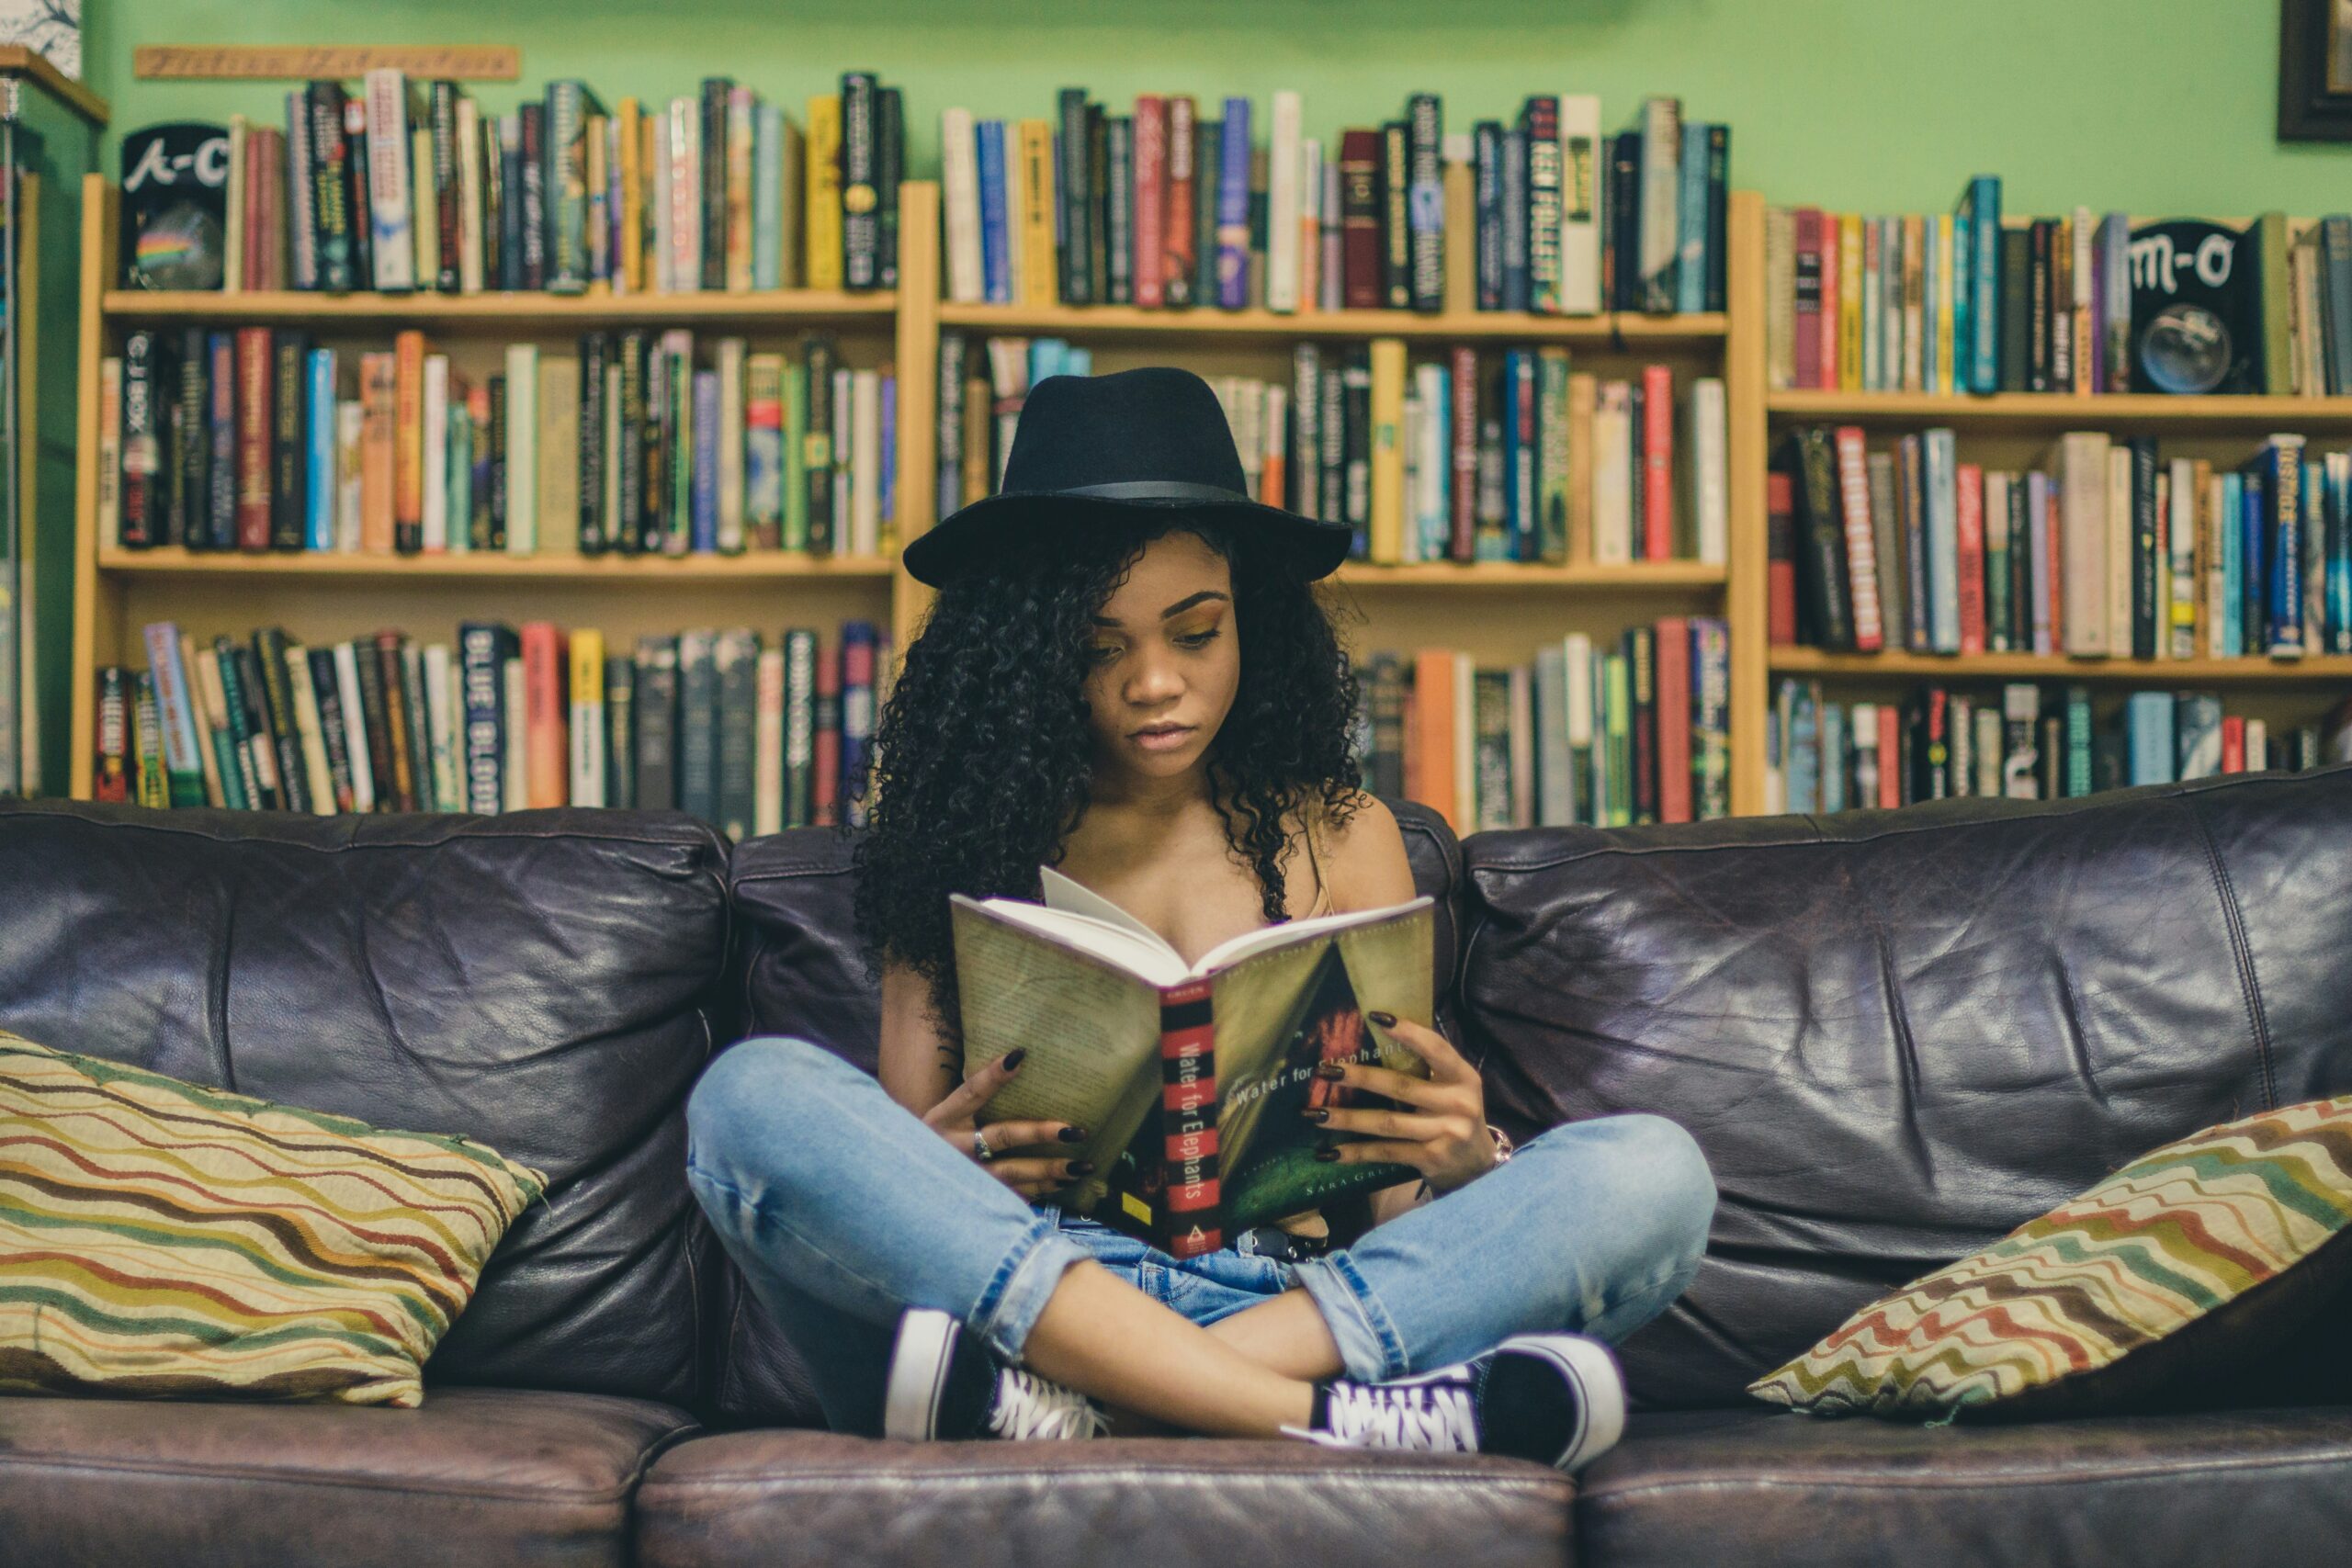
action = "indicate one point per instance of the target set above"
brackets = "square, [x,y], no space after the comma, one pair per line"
[540,982]
[1898,1036]
[800,972]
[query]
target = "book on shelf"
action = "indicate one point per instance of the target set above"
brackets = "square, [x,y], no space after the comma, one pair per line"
[398,186]
[2020,740]
[2108,549]
[1180,202]
[717,721]
[1471,455]
[1189,1078]
[637,441]
[1603,732]
[1975,299]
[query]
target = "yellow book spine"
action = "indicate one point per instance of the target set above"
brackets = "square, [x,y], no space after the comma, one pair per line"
[1038,284]
[1387,541]
[586,730]
[822,191]
[1850,302]
[1944,285]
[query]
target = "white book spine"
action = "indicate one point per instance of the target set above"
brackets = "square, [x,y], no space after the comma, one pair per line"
[2257,746]
[686,153]
[1943,541]
[1579,203]
[470,207]
[844,453]
[440,721]
[2118,587]
[522,448]
[959,198]
[111,450]
[1612,495]
[730,444]
[1465,746]
[1330,278]
[767,761]
[392,237]
[436,453]
[1310,218]
[866,463]
[355,727]
[1434,456]
[232,243]
[514,752]
[2083,542]
[1661,192]
[303,248]
[1282,204]
[586,736]
[1709,436]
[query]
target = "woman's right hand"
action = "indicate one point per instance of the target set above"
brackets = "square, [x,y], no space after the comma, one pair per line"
[955,1119]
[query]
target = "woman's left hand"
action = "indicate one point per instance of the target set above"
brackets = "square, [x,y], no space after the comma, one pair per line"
[1443,1134]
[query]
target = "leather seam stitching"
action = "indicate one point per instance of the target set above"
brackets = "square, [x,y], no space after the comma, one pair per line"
[2249,989]
[802,1478]
[294,1478]
[1939,1484]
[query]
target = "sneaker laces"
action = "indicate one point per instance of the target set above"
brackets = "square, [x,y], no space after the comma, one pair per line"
[1436,1417]
[1027,1405]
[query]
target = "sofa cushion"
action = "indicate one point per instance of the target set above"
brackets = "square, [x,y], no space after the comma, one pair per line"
[2267,1486]
[473,1476]
[800,972]
[1899,1035]
[537,981]
[777,1498]
[187,1242]
[2174,1272]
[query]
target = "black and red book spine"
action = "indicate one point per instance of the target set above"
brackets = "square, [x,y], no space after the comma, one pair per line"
[1191,1211]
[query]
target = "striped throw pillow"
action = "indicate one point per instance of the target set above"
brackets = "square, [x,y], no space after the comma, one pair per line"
[2179,1267]
[162,1239]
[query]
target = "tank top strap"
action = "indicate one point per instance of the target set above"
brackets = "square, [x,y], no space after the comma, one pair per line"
[1312,818]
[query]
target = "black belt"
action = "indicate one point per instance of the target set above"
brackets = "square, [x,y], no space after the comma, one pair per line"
[1282,1246]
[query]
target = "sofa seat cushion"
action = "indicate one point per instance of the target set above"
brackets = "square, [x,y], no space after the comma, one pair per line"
[2269,1486]
[472,1476]
[780,1498]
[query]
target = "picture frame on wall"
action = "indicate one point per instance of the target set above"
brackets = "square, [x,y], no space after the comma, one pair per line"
[2316,71]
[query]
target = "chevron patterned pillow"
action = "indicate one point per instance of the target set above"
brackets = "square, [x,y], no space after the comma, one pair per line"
[163,1239]
[2185,1262]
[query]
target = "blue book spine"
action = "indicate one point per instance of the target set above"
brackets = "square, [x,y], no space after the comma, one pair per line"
[1961,280]
[510,204]
[1486,138]
[2339,553]
[1691,220]
[1233,207]
[2285,483]
[886,488]
[2232,566]
[1077,361]
[2252,576]
[1804,751]
[995,266]
[2147,737]
[1943,544]
[1507,410]
[704,528]
[1526,519]
[1833,757]
[1931,280]
[1984,285]
[481,670]
[320,417]
[1514,200]
[1437,518]
[767,197]
[222,498]
[858,708]
[1045,358]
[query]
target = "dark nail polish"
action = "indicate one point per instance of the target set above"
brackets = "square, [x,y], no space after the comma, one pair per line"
[1315,1113]
[1332,1071]
[1327,1156]
[1072,1134]
[1386,1020]
[1013,1058]
[1081,1168]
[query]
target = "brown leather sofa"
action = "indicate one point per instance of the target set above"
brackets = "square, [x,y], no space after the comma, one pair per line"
[1895,1034]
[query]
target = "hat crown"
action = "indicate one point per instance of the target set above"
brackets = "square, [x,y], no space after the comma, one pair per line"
[1158,424]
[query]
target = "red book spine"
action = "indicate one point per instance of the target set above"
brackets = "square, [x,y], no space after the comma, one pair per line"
[1827,364]
[826,761]
[1781,565]
[1674,720]
[1808,298]
[2234,745]
[1861,545]
[1192,1218]
[1360,220]
[1177,240]
[1971,557]
[1464,496]
[546,715]
[1657,462]
[2054,543]
[254,407]
[1152,196]
[1890,755]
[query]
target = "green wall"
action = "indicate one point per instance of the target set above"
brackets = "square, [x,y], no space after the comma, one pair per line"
[1875,104]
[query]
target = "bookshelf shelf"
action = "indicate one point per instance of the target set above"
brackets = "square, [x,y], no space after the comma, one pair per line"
[2058,667]
[486,312]
[636,570]
[1128,322]
[1638,575]
[2058,410]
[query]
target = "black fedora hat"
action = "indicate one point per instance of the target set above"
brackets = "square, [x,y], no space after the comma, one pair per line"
[1115,447]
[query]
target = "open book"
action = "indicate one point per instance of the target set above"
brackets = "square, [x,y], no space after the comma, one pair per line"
[1189,1078]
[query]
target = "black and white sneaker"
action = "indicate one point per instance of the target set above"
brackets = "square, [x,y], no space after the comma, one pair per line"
[945,1387]
[1557,1399]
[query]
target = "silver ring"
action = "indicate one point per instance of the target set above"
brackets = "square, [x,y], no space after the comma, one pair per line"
[980,1150]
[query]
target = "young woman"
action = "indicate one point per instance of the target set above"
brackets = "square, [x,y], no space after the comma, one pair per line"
[1128,675]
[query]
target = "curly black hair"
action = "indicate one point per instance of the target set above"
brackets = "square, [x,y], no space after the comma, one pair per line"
[982,758]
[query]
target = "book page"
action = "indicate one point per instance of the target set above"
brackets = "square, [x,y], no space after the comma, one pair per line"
[1066,893]
[1088,1029]
[1146,956]
[1234,950]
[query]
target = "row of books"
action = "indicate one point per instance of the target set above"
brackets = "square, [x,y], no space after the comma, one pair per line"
[1167,206]
[2112,551]
[1505,455]
[1972,301]
[640,441]
[753,733]
[1582,733]
[405,186]
[2023,742]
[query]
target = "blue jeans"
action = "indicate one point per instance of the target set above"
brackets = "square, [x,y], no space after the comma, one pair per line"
[841,1209]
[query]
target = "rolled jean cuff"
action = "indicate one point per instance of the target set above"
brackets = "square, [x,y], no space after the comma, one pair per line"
[1022,1285]
[1369,1347]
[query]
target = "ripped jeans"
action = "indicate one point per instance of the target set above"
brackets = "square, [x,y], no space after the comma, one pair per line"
[842,1207]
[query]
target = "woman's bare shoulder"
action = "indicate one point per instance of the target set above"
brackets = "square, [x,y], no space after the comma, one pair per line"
[1363,853]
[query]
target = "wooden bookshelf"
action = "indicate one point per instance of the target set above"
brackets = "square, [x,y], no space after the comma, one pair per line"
[2055,411]
[499,312]
[174,560]
[1451,326]
[2318,669]
[1635,577]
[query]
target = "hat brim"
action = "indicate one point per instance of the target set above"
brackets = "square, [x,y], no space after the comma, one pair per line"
[956,544]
